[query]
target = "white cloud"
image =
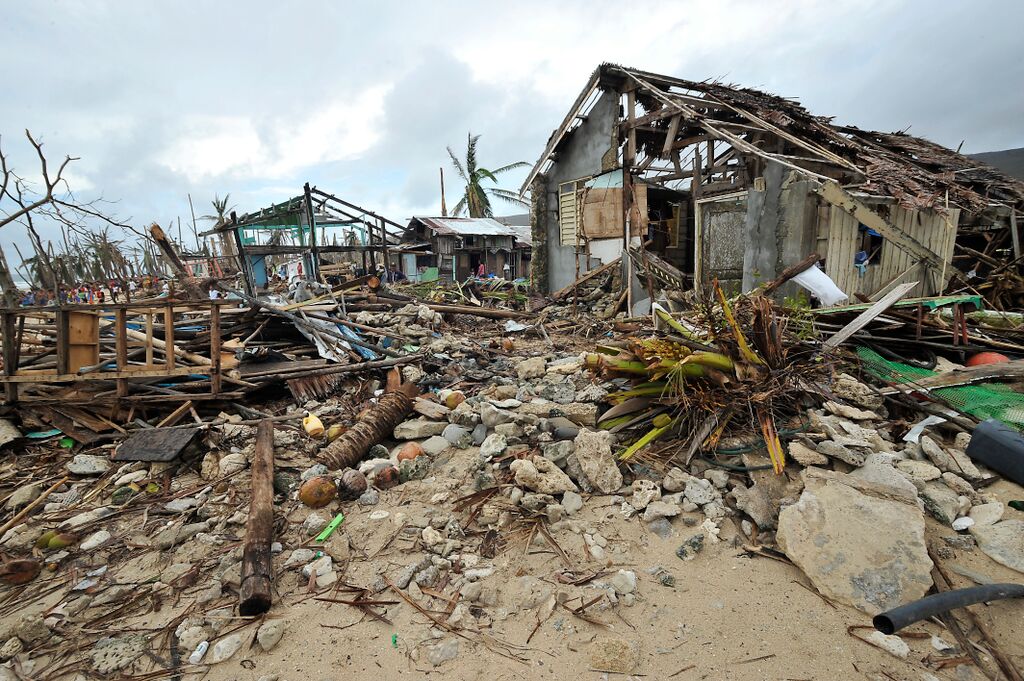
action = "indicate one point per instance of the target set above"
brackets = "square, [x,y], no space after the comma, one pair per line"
[214,147]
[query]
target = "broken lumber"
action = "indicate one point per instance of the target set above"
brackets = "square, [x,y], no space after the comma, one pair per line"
[557,295]
[790,272]
[254,595]
[347,450]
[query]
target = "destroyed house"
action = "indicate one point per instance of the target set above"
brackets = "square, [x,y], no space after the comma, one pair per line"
[735,184]
[457,246]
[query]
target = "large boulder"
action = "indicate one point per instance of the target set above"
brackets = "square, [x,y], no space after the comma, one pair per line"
[859,542]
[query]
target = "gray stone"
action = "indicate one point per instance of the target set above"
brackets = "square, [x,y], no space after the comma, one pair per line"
[223,649]
[717,477]
[88,464]
[111,655]
[299,557]
[270,634]
[661,527]
[805,456]
[958,484]
[511,431]
[986,514]
[533,367]
[949,460]
[479,434]
[941,502]
[370,497]
[457,436]
[491,416]
[559,392]
[691,547]
[557,452]
[95,540]
[699,491]
[24,495]
[494,445]
[174,535]
[756,503]
[859,543]
[11,647]
[572,502]
[434,445]
[1003,542]
[885,475]
[418,429]
[644,492]
[837,451]
[593,451]
[181,505]
[445,650]
[623,581]
[850,389]
[313,523]
[540,475]
[592,393]
[675,480]
[314,471]
[919,470]
[660,509]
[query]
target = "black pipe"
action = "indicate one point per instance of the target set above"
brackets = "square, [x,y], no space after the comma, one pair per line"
[936,604]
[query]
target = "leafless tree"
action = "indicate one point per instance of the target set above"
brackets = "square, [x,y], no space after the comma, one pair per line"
[23,203]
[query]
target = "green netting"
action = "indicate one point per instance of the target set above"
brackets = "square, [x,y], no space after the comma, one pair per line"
[982,400]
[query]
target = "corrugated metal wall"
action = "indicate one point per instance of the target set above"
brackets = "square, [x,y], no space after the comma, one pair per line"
[842,239]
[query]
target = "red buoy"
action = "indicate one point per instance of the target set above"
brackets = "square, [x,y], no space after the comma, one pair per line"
[987,358]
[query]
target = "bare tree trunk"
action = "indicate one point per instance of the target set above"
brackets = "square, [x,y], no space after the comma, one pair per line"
[10,291]
[254,594]
[347,450]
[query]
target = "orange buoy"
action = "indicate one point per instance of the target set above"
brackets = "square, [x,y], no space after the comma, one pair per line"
[987,358]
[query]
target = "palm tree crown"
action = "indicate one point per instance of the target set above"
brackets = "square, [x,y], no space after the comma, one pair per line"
[476,200]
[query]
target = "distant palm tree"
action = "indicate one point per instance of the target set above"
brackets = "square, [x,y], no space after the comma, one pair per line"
[220,210]
[476,199]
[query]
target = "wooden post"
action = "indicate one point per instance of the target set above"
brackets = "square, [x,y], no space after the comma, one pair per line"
[169,337]
[254,594]
[149,338]
[10,356]
[121,348]
[215,348]
[314,250]
[61,319]
[628,159]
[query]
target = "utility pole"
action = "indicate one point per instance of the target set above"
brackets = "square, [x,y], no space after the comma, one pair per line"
[444,209]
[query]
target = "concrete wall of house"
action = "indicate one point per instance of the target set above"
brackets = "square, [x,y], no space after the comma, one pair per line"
[780,227]
[580,156]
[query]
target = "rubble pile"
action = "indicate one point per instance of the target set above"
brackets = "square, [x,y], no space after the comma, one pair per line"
[516,491]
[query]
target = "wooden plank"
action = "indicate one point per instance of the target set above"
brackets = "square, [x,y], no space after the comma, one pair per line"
[175,415]
[255,591]
[670,136]
[46,377]
[865,317]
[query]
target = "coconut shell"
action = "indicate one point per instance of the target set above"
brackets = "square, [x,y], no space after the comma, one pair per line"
[454,399]
[317,492]
[353,484]
[386,478]
[20,571]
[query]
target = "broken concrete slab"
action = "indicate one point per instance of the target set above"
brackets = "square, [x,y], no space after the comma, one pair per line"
[860,543]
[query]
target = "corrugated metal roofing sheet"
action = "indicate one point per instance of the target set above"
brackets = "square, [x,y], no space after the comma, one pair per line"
[476,227]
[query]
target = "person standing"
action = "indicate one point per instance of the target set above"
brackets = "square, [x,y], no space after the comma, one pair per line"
[481,270]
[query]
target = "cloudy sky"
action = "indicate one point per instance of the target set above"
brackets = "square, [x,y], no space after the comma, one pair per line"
[162,99]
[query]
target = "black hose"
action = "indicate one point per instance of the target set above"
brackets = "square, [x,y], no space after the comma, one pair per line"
[936,604]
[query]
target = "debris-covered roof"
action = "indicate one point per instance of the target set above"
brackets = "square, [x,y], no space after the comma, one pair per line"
[917,172]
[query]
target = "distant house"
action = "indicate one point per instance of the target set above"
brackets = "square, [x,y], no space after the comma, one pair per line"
[457,246]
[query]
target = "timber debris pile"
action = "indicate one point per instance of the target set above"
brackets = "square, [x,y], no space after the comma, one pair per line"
[775,408]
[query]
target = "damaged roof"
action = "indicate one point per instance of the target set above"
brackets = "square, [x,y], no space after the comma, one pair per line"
[451,226]
[917,172]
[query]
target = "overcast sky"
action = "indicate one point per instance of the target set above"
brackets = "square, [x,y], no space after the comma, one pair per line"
[160,99]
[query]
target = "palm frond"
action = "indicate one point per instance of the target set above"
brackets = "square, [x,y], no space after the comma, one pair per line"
[458,165]
[511,166]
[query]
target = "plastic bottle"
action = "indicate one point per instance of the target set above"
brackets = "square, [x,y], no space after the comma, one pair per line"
[314,427]
[197,655]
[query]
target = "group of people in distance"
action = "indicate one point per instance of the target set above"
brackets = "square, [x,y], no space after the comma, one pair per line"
[91,293]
